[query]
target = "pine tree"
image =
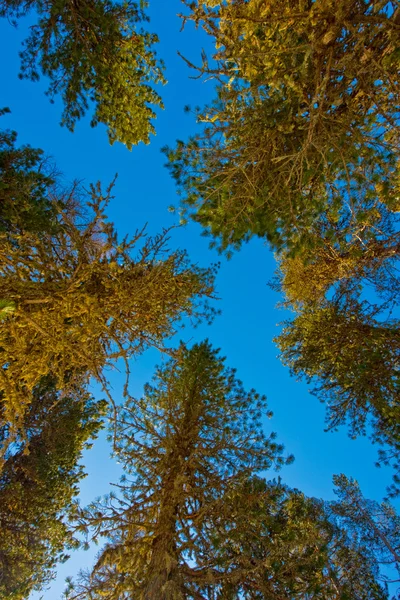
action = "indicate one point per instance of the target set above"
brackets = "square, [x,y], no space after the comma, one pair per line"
[38,483]
[25,177]
[301,147]
[94,52]
[344,337]
[194,436]
[299,124]
[192,520]
[277,543]
[377,526]
[75,297]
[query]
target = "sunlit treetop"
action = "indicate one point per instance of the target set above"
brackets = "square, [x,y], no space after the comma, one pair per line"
[192,439]
[97,57]
[305,116]
[349,349]
[76,298]
[344,289]
[375,524]
[191,519]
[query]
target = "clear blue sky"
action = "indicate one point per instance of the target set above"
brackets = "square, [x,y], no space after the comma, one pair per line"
[249,319]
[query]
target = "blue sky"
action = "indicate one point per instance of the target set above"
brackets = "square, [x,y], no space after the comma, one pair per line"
[249,317]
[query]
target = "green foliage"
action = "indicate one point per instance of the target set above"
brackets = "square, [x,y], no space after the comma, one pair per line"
[353,359]
[191,518]
[6,308]
[301,147]
[38,482]
[305,118]
[290,546]
[193,438]
[345,293]
[94,52]
[25,178]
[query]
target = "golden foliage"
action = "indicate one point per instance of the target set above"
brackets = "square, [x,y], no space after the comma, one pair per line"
[83,299]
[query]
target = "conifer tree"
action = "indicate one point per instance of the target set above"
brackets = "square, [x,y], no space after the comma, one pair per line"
[94,52]
[301,147]
[38,483]
[305,117]
[192,437]
[377,526]
[25,177]
[191,520]
[290,546]
[344,337]
[75,297]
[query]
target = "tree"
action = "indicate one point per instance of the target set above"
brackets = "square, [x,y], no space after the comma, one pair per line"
[25,176]
[191,518]
[377,526]
[78,298]
[354,359]
[305,118]
[94,52]
[192,437]
[38,483]
[345,333]
[285,545]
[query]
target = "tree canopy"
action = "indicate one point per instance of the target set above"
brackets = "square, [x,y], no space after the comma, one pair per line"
[77,298]
[38,483]
[191,519]
[192,437]
[301,147]
[344,337]
[377,526]
[25,177]
[305,117]
[95,53]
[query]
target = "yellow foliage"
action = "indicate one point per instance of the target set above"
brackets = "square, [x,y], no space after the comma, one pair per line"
[83,301]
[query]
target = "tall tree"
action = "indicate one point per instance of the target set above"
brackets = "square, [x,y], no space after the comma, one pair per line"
[345,293]
[301,146]
[25,176]
[377,526]
[191,519]
[282,544]
[38,483]
[94,52]
[190,439]
[305,117]
[78,298]
[354,360]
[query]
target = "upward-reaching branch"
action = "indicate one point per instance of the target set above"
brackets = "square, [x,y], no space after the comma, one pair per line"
[79,299]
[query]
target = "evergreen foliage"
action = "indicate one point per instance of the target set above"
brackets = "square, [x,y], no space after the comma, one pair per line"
[38,483]
[191,519]
[94,52]
[25,176]
[345,334]
[77,298]
[376,526]
[305,117]
[194,436]
[301,147]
